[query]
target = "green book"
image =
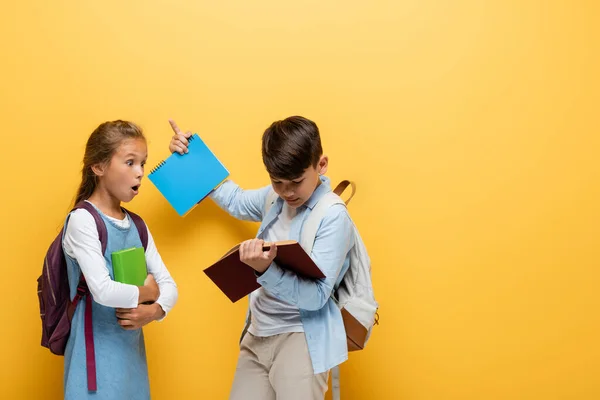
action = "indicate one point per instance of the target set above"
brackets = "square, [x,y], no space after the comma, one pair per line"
[129,266]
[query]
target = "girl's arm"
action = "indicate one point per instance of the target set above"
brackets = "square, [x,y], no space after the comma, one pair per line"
[82,244]
[156,267]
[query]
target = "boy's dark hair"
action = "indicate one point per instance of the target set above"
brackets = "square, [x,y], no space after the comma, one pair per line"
[290,146]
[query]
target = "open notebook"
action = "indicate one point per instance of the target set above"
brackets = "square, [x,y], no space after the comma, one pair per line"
[185,180]
[236,279]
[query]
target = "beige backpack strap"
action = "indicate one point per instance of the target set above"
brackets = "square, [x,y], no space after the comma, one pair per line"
[269,201]
[335,383]
[335,371]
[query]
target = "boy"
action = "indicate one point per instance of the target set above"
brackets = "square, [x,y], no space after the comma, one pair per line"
[294,331]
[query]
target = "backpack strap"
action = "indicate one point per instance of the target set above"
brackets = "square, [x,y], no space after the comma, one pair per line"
[269,201]
[141,227]
[307,238]
[335,383]
[84,291]
[313,221]
[341,187]
[100,225]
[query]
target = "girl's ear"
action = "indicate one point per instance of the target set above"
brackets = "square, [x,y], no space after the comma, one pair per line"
[322,166]
[99,169]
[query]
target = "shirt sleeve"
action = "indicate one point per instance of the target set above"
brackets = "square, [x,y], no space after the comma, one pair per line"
[242,204]
[168,289]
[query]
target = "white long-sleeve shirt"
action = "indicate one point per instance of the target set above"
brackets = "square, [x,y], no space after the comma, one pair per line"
[82,243]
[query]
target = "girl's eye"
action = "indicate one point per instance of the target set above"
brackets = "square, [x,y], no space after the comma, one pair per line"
[130,162]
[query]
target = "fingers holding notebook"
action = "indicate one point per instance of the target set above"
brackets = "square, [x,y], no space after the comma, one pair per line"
[253,254]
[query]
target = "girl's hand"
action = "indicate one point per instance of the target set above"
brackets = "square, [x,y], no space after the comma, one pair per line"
[252,254]
[150,291]
[179,141]
[135,318]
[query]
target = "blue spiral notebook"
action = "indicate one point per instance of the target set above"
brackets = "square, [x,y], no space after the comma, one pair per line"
[185,180]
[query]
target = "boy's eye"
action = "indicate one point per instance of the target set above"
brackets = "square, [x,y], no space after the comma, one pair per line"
[129,162]
[297,182]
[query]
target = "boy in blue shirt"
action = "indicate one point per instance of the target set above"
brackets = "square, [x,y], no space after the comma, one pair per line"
[294,331]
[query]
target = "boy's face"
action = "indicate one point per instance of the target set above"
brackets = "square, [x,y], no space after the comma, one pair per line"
[297,191]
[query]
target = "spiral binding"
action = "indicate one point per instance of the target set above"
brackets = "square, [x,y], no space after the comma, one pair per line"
[160,164]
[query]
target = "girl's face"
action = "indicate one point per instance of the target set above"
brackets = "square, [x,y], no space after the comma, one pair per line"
[122,177]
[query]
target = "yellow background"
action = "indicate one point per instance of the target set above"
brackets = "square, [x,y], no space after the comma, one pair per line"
[470,127]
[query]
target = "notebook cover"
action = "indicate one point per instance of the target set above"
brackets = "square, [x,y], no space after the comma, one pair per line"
[185,180]
[236,279]
[129,266]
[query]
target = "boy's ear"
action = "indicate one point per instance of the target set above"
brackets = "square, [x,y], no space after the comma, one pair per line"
[98,169]
[322,166]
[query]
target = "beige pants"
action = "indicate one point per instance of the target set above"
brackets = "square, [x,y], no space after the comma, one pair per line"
[276,368]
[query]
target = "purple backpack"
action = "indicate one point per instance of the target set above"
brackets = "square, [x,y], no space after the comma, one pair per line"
[56,307]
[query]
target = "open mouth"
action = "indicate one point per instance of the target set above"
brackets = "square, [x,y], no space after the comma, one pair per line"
[135,188]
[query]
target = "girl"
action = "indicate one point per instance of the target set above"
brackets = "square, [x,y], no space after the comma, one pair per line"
[113,168]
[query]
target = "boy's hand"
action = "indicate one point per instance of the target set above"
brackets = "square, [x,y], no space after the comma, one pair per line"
[252,254]
[179,141]
[135,318]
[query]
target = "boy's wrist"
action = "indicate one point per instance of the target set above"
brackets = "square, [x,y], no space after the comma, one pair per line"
[260,273]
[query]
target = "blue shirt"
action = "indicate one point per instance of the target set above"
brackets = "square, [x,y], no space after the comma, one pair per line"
[321,318]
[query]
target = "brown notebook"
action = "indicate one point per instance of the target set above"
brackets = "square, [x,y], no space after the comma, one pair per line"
[237,279]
